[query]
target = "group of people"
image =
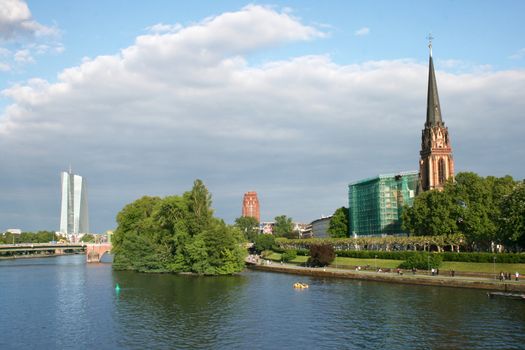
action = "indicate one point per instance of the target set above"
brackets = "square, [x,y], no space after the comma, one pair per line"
[508,276]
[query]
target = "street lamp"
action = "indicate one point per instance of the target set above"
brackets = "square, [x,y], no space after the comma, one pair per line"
[336,261]
[494,267]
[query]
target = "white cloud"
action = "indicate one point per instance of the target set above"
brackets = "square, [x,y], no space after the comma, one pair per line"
[174,107]
[24,56]
[16,21]
[24,36]
[362,31]
[161,28]
[4,67]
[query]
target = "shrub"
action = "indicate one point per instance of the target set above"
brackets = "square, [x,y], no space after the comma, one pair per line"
[422,261]
[321,255]
[289,255]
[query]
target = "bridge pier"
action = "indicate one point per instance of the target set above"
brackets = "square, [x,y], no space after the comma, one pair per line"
[94,252]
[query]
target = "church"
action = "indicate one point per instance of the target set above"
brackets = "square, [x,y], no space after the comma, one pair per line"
[375,204]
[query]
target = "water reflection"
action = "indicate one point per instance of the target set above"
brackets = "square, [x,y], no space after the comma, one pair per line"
[63,303]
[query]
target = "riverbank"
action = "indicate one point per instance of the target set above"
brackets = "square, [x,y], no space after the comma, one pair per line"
[34,256]
[394,277]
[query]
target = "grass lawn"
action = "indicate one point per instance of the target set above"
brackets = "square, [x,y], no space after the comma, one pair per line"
[350,263]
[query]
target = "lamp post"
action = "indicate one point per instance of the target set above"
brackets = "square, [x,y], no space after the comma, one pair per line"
[428,262]
[494,267]
[336,261]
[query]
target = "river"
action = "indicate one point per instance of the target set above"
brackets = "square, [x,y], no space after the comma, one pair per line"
[64,303]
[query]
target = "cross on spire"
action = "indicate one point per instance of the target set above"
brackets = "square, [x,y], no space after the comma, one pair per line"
[430,38]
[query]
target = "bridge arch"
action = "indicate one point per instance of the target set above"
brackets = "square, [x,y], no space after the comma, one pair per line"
[94,252]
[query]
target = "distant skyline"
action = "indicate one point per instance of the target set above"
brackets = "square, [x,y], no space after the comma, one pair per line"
[292,99]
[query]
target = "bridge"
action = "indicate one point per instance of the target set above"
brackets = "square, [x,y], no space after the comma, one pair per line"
[94,251]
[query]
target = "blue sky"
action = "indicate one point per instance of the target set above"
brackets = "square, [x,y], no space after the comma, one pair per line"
[293,99]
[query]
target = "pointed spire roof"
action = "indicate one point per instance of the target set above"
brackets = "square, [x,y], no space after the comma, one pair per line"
[433,107]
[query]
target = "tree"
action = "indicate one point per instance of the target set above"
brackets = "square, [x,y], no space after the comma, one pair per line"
[249,226]
[321,255]
[283,226]
[339,223]
[471,206]
[199,204]
[512,220]
[176,234]
[431,214]
[264,242]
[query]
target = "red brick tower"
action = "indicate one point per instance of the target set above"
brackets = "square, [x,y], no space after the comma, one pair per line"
[250,205]
[436,165]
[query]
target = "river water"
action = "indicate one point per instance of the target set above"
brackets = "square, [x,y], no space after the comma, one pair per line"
[63,303]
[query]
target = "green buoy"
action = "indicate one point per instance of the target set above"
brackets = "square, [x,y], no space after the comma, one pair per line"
[117,288]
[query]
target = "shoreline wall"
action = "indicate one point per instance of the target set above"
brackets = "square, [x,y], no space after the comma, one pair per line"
[455,282]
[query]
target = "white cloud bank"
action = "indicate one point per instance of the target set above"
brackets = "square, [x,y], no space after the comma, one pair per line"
[183,105]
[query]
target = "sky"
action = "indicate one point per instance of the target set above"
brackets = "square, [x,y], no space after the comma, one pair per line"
[292,99]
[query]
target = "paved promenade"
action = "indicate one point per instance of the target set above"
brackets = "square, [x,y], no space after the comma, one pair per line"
[391,277]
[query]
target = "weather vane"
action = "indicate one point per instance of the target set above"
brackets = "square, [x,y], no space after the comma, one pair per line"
[430,37]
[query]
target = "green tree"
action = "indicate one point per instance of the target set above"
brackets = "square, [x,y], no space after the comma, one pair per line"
[249,226]
[283,226]
[512,220]
[431,214]
[176,234]
[199,204]
[264,242]
[339,223]
[471,206]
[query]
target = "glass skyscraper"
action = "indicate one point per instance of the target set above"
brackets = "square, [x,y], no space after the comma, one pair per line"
[74,208]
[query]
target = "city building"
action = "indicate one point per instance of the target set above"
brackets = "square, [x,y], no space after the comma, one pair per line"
[319,227]
[266,227]
[436,164]
[250,206]
[375,204]
[74,220]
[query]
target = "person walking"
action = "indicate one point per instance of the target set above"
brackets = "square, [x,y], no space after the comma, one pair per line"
[517,276]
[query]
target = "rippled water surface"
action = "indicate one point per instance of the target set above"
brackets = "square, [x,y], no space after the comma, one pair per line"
[63,303]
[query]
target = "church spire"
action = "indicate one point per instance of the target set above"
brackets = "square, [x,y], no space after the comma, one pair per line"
[433,107]
[436,164]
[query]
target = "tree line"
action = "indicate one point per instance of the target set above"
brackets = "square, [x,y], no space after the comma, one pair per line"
[487,211]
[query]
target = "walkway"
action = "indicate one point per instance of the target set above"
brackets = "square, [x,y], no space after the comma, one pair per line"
[392,277]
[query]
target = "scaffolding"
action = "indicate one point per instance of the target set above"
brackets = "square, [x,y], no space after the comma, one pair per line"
[375,204]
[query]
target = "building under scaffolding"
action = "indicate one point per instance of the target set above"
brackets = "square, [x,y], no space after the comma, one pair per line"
[375,204]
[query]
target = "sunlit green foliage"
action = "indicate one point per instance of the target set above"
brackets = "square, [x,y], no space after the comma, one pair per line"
[485,210]
[249,226]
[176,234]
[339,223]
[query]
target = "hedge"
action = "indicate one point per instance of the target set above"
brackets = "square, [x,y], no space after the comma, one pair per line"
[507,258]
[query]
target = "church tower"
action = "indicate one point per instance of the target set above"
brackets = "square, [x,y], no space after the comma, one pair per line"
[436,165]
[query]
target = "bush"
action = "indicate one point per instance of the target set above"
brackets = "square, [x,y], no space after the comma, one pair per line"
[321,255]
[422,261]
[289,255]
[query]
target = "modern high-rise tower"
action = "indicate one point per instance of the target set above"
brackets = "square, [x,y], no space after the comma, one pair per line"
[74,208]
[436,164]
[250,206]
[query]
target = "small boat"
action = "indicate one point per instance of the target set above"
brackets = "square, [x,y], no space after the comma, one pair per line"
[299,285]
[517,296]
